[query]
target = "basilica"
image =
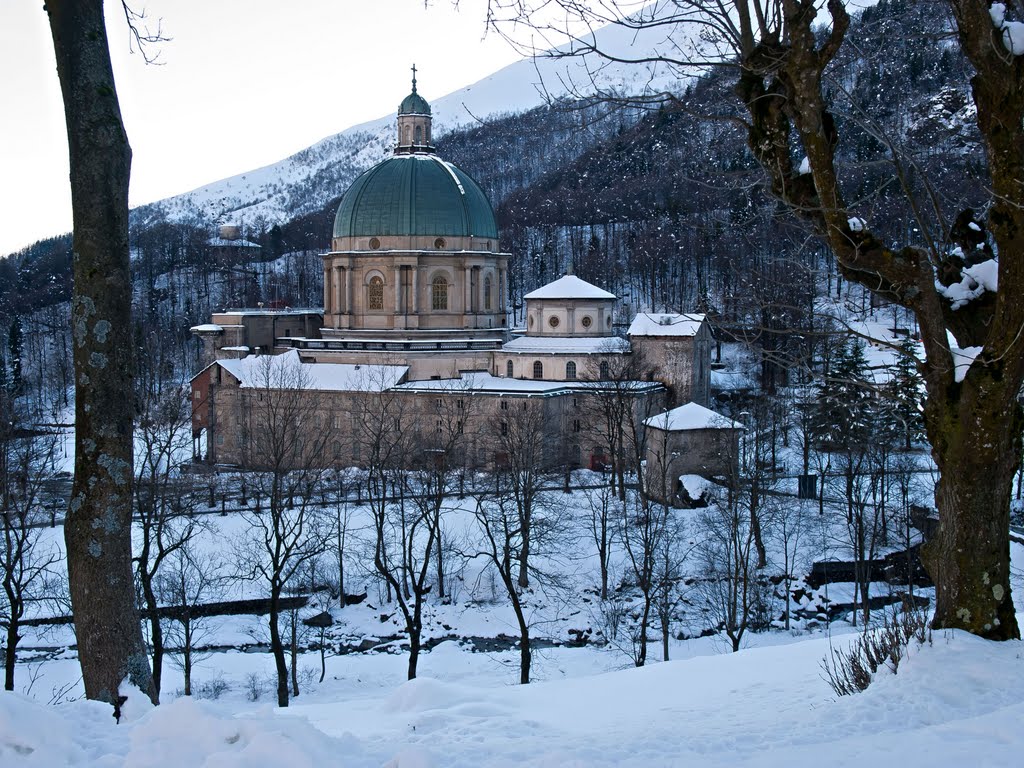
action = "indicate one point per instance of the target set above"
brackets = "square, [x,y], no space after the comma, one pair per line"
[415,312]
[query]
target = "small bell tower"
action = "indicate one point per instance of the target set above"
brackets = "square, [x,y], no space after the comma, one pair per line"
[414,123]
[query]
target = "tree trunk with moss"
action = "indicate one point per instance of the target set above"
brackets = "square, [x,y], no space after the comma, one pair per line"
[973,425]
[98,526]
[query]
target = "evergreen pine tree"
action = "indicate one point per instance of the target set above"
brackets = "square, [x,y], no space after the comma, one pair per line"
[843,409]
[904,395]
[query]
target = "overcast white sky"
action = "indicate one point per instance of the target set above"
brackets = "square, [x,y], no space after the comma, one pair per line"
[242,84]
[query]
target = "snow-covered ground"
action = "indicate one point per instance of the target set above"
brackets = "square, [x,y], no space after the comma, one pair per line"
[957,701]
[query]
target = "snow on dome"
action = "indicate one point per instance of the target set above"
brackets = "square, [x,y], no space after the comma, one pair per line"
[253,372]
[665,324]
[569,287]
[691,416]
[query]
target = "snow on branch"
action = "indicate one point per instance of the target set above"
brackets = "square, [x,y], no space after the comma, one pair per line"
[976,279]
[1013,31]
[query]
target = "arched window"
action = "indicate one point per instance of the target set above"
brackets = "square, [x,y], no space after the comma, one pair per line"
[487,293]
[375,293]
[439,293]
[570,371]
[508,369]
[408,134]
[538,370]
[605,371]
[419,134]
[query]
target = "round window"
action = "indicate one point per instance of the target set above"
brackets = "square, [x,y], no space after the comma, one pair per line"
[586,322]
[374,243]
[553,321]
[439,243]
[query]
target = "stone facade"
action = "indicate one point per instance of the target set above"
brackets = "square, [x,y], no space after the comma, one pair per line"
[689,440]
[675,349]
[340,425]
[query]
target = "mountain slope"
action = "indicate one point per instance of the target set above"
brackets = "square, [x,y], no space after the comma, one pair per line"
[304,182]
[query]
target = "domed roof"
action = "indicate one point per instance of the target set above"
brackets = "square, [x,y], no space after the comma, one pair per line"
[415,194]
[414,104]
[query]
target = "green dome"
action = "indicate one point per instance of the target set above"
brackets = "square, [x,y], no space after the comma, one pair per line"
[414,104]
[415,194]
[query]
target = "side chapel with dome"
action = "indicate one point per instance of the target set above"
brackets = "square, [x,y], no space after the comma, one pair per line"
[416,306]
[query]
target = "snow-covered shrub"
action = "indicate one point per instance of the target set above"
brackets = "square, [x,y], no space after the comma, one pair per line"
[211,689]
[852,670]
[253,686]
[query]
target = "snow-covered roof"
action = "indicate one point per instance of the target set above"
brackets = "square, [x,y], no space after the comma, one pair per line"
[569,345]
[206,328]
[220,242]
[691,416]
[480,382]
[665,324]
[569,287]
[285,370]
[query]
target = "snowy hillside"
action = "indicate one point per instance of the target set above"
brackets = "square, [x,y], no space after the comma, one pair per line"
[305,181]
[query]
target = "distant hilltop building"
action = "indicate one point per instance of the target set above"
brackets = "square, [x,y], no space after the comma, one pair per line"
[415,306]
[229,247]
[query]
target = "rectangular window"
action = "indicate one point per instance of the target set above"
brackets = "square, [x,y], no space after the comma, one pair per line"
[576,425]
[504,428]
[458,404]
[197,394]
[504,405]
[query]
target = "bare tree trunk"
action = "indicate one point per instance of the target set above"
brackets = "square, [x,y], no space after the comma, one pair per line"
[440,558]
[641,657]
[295,653]
[11,653]
[414,652]
[186,651]
[524,551]
[98,526]
[323,654]
[277,647]
[156,635]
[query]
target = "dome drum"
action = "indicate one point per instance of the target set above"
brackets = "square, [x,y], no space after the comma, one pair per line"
[421,244]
